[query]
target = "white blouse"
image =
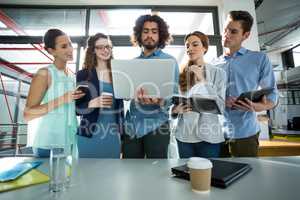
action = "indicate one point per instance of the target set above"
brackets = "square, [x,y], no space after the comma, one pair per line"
[193,127]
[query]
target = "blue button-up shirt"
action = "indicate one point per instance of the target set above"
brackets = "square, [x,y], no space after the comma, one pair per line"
[143,119]
[246,71]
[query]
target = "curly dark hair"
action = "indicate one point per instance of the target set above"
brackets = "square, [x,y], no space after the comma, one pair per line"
[187,79]
[90,60]
[163,29]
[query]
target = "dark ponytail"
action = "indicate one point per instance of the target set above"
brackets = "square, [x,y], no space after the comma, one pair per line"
[50,36]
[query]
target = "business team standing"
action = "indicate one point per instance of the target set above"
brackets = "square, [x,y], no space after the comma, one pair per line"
[102,122]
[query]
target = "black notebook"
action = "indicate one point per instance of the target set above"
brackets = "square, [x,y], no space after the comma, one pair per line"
[205,104]
[255,95]
[224,173]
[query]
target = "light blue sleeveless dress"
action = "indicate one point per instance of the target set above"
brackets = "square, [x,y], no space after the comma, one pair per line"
[58,127]
[105,142]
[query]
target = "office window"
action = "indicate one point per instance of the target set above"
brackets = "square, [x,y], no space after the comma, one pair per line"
[80,23]
[34,22]
[297,97]
[121,21]
[24,89]
[296,56]
[10,84]
[181,23]
[5,30]
[10,88]
[291,58]
[30,57]
[114,21]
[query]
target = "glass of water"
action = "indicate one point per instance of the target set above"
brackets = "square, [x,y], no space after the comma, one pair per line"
[60,169]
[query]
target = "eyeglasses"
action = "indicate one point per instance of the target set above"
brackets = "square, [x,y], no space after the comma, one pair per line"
[102,47]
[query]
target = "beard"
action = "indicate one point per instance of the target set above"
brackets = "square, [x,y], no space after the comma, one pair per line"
[150,45]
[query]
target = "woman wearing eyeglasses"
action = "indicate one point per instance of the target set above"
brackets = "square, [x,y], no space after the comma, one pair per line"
[199,134]
[101,114]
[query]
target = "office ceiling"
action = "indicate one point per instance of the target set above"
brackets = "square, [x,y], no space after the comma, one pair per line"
[277,19]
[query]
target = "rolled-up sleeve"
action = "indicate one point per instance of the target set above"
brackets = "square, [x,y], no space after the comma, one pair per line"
[267,78]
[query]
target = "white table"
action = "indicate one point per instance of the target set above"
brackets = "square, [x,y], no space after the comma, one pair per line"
[270,179]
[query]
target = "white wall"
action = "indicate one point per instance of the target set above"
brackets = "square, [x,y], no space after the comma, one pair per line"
[248,5]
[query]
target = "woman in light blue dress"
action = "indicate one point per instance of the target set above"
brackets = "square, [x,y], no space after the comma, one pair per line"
[101,114]
[50,106]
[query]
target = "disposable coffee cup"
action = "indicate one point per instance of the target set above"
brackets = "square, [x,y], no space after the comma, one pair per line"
[200,174]
[108,95]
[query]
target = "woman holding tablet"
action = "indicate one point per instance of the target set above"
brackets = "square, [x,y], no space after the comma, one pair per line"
[199,134]
[101,114]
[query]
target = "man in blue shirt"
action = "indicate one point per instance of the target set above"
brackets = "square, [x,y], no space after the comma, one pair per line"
[246,71]
[147,127]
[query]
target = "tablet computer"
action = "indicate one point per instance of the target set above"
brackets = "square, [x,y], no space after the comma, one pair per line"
[255,95]
[198,103]
[155,76]
[13,172]
[83,88]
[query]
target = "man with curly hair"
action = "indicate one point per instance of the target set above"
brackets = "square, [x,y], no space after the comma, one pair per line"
[147,127]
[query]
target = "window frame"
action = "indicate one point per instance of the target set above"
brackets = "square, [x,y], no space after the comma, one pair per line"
[118,40]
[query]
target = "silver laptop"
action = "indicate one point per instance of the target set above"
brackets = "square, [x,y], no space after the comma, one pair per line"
[156,76]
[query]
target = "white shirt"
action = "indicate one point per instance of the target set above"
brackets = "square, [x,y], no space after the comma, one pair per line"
[193,127]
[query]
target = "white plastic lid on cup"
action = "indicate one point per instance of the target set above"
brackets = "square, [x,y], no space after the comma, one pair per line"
[106,93]
[199,163]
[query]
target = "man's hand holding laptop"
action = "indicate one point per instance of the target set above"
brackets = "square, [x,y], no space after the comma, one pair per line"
[143,98]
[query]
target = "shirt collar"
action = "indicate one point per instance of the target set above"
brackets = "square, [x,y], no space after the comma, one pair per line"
[241,51]
[157,52]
